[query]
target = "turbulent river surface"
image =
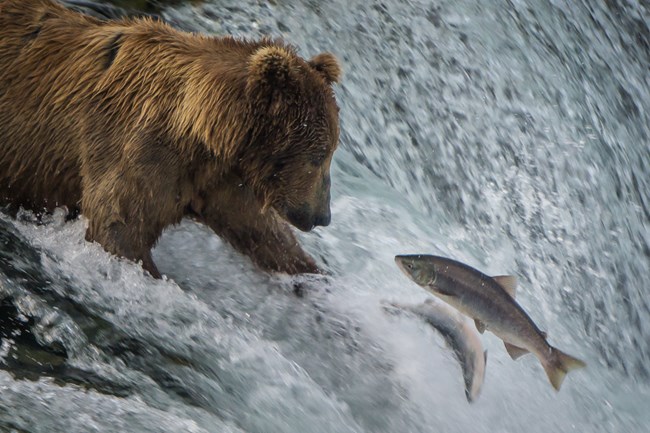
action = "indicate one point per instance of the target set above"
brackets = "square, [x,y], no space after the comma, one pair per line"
[511,135]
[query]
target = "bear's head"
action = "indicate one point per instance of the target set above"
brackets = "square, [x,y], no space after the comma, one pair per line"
[295,131]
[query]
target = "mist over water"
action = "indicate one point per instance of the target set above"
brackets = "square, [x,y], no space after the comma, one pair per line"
[511,135]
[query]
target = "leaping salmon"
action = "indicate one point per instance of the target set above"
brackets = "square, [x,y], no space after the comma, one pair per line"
[460,336]
[490,301]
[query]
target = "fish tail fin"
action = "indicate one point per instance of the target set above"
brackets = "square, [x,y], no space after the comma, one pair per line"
[558,365]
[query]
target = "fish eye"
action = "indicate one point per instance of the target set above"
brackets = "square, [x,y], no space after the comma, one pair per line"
[410,266]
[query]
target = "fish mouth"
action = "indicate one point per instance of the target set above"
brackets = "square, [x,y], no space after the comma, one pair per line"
[400,259]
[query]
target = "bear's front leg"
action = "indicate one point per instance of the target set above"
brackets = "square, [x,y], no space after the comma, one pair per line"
[124,216]
[130,193]
[120,239]
[236,216]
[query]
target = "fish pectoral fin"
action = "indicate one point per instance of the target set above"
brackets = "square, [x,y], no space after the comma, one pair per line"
[508,282]
[515,352]
[480,326]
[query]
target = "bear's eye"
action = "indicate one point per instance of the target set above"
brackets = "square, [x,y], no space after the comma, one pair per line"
[318,157]
[317,160]
[278,166]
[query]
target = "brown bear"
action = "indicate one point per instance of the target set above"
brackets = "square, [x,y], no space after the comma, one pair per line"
[136,125]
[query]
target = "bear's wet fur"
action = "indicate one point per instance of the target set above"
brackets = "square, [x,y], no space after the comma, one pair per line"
[136,125]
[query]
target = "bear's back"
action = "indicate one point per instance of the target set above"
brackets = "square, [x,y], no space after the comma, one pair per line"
[60,92]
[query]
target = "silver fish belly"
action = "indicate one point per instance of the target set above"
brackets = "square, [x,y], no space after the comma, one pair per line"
[460,336]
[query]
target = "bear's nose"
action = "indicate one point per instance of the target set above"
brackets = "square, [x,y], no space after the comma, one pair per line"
[323,219]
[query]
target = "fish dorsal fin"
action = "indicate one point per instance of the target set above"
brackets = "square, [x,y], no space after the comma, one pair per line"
[480,326]
[508,282]
[515,352]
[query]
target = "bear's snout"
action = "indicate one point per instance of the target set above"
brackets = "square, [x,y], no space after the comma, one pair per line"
[305,219]
[315,211]
[323,219]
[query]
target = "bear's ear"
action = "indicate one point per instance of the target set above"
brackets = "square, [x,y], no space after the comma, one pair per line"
[327,65]
[272,74]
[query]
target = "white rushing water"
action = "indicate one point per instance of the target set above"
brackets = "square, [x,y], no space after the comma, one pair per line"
[511,135]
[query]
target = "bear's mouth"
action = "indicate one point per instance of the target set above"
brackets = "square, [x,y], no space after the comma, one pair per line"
[300,218]
[303,216]
[306,221]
